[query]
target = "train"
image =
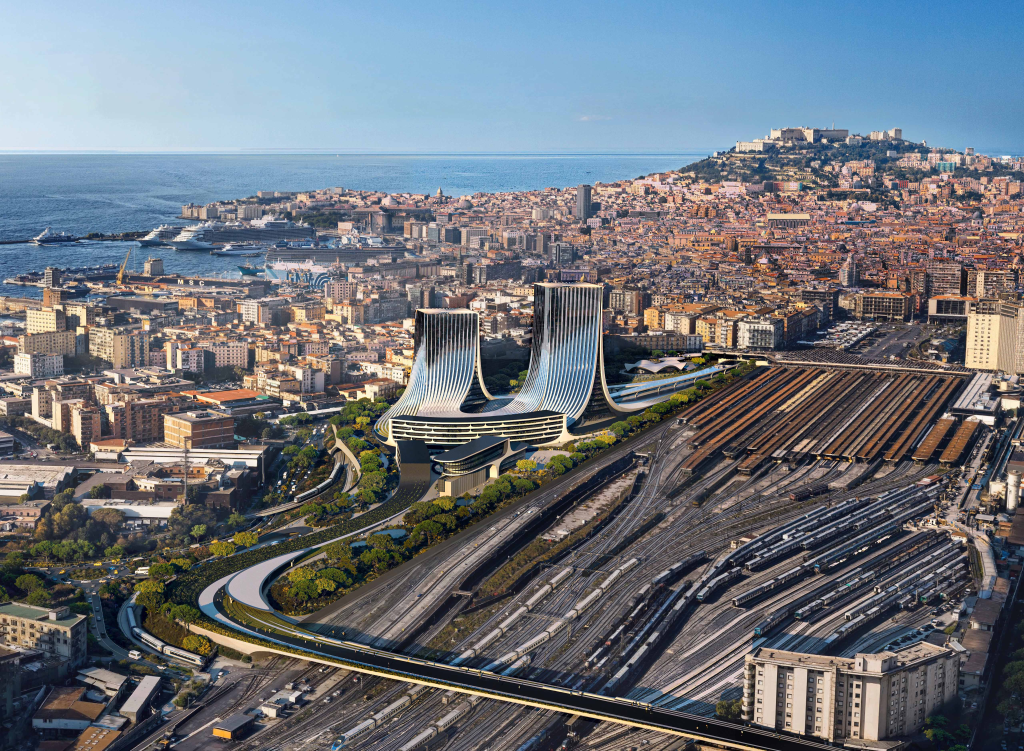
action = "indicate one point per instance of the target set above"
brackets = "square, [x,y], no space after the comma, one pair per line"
[581,605]
[771,584]
[331,479]
[809,491]
[166,649]
[711,585]
[512,619]
[378,719]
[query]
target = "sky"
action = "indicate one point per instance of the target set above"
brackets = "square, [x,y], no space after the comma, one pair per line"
[443,77]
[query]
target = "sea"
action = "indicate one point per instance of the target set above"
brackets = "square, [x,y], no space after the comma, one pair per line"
[108,193]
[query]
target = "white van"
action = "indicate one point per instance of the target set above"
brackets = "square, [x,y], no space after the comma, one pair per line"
[135,654]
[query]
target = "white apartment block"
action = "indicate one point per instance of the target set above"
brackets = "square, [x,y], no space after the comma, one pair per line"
[762,332]
[994,337]
[869,697]
[397,373]
[229,354]
[39,365]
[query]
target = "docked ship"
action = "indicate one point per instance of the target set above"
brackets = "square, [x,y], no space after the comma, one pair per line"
[241,250]
[249,270]
[291,260]
[49,237]
[161,235]
[270,229]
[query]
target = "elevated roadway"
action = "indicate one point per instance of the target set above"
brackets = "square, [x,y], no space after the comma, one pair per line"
[293,641]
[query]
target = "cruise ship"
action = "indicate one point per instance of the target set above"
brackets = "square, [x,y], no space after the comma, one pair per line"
[49,237]
[161,235]
[270,229]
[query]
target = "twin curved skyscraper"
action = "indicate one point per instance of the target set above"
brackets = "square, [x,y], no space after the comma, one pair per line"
[447,404]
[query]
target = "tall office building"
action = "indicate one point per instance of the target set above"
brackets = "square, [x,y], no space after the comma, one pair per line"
[51,277]
[583,201]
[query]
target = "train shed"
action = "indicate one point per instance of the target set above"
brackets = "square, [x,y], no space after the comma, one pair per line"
[235,726]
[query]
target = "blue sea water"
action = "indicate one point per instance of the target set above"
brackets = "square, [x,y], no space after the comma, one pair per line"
[82,193]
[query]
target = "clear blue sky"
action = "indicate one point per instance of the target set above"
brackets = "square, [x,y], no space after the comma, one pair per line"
[488,76]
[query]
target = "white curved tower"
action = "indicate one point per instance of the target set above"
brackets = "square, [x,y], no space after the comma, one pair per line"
[446,371]
[566,359]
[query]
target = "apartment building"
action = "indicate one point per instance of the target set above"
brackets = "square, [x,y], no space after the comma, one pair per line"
[310,380]
[994,335]
[120,347]
[54,631]
[883,306]
[86,425]
[50,342]
[199,430]
[39,365]
[309,311]
[194,359]
[228,354]
[44,320]
[761,332]
[869,697]
[261,311]
[629,301]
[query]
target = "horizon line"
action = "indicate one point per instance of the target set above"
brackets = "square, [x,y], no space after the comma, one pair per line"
[688,151]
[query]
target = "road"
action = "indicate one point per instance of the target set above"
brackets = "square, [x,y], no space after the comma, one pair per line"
[897,341]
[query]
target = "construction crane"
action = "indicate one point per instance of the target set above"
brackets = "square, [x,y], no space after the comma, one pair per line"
[124,266]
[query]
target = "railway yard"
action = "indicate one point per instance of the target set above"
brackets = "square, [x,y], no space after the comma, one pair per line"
[764,516]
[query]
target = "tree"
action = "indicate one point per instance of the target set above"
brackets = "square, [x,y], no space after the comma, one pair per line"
[150,586]
[222,548]
[526,465]
[559,464]
[114,551]
[235,520]
[381,542]
[39,598]
[246,539]
[184,518]
[620,428]
[729,710]
[186,614]
[161,571]
[28,582]
[336,575]
[43,550]
[99,491]
[301,574]
[195,643]
[198,531]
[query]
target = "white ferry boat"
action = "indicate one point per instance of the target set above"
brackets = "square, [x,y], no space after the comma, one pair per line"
[49,237]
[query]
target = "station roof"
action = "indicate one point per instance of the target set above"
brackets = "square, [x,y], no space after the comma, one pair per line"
[466,450]
[234,722]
